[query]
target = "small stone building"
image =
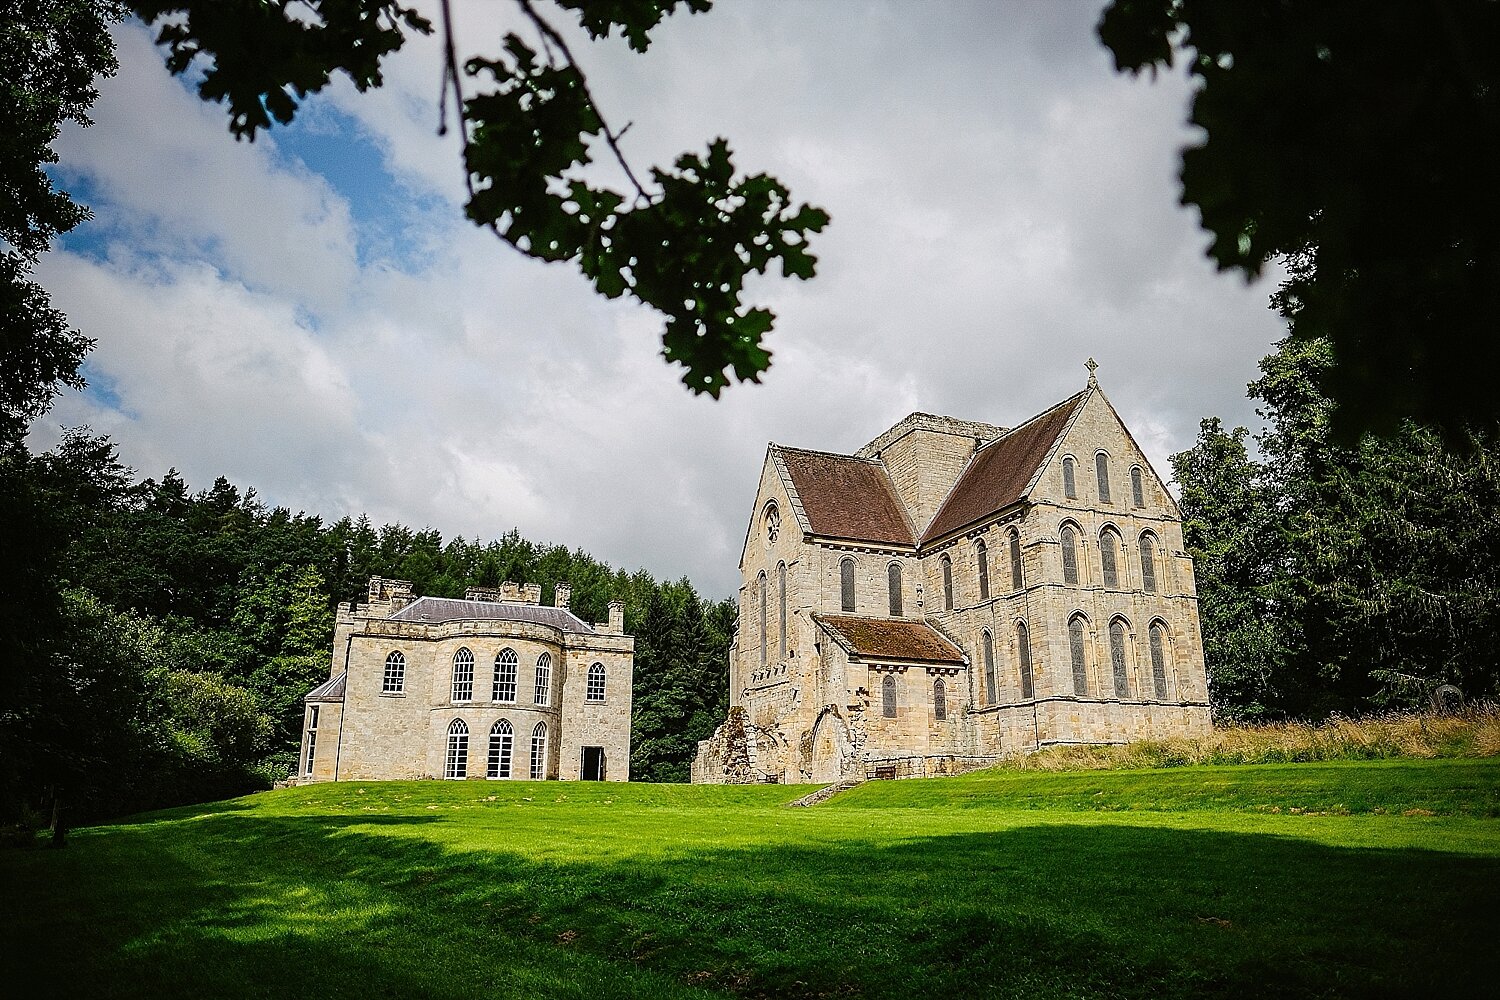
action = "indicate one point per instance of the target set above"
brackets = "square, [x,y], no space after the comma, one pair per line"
[954,593]
[494,686]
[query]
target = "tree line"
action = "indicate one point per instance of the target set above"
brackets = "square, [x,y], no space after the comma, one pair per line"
[1335,575]
[175,632]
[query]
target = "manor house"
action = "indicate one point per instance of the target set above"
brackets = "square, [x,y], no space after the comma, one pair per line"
[956,592]
[494,686]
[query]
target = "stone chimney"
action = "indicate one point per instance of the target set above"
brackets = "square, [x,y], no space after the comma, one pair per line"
[389,596]
[616,617]
[490,594]
[521,593]
[562,595]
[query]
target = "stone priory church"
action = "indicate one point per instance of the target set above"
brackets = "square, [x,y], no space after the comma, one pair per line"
[953,593]
[494,686]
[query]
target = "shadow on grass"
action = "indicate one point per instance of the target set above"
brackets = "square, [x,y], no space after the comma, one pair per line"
[238,905]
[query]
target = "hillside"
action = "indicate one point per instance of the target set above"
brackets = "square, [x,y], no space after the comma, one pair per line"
[1288,880]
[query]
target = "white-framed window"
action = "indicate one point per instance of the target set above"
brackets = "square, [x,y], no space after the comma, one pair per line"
[463,675]
[543,692]
[595,687]
[501,735]
[312,737]
[539,752]
[394,681]
[506,665]
[456,765]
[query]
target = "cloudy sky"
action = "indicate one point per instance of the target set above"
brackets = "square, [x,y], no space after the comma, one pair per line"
[311,316]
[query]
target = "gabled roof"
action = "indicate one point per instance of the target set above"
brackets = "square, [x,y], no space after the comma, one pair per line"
[446,609]
[890,639]
[846,497]
[1002,471]
[330,690]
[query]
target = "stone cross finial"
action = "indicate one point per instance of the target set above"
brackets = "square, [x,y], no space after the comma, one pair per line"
[1091,364]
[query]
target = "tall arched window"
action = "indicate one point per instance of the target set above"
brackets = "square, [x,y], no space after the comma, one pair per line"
[506,664]
[982,563]
[781,605]
[760,586]
[1101,472]
[395,673]
[539,752]
[1077,647]
[594,689]
[846,583]
[457,762]
[987,647]
[947,565]
[499,758]
[1109,557]
[463,675]
[888,697]
[543,692]
[1159,659]
[1023,649]
[1016,581]
[1070,479]
[1148,562]
[1069,537]
[893,584]
[1117,658]
[1137,487]
[939,700]
[772,520]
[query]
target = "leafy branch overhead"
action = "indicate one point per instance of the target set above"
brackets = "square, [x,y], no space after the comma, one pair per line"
[684,244]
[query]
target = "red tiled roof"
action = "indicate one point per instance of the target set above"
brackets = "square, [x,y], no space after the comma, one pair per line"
[1000,471]
[846,497]
[892,639]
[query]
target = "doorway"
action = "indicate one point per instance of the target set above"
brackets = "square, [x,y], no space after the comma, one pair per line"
[593,763]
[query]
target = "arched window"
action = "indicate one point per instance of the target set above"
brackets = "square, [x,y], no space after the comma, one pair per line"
[543,692]
[457,763]
[1016,581]
[499,759]
[772,519]
[395,673]
[846,583]
[506,664]
[888,697]
[1077,647]
[982,563]
[939,700]
[1070,479]
[1159,659]
[781,603]
[987,647]
[463,675]
[594,690]
[1069,537]
[1023,649]
[1117,658]
[1148,562]
[760,586]
[1137,487]
[1101,472]
[893,583]
[947,565]
[539,752]
[1109,557]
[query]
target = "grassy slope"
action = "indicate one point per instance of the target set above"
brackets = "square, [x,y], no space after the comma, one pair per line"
[1171,883]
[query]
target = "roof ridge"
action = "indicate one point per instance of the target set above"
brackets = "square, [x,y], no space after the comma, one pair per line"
[1032,419]
[827,454]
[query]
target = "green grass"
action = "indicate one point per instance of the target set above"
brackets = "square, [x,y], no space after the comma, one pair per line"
[1372,879]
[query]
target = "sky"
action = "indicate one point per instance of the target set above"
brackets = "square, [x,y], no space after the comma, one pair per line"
[310,315]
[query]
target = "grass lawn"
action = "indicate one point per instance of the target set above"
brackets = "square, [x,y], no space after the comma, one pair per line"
[1347,879]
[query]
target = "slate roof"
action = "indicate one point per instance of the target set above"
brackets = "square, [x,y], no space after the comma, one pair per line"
[447,609]
[330,690]
[891,639]
[1000,472]
[847,497]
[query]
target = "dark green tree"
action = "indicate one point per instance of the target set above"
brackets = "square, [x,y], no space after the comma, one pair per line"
[1356,143]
